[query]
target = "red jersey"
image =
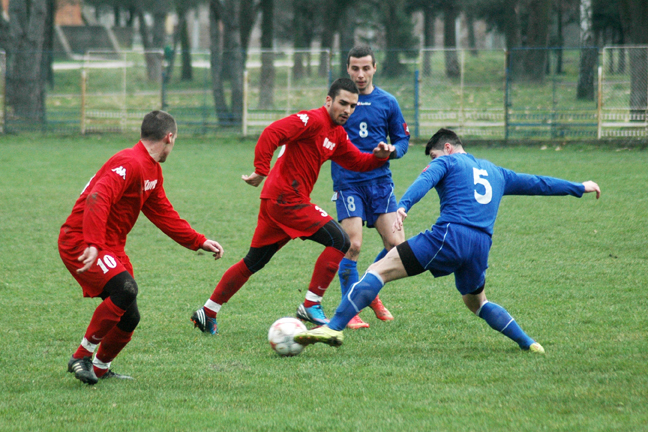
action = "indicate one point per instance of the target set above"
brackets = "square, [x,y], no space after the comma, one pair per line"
[129,182]
[310,138]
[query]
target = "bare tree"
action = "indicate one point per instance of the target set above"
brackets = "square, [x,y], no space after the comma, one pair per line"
[266,81]
[535,58]
[634,15]
[585,88]
[25,84]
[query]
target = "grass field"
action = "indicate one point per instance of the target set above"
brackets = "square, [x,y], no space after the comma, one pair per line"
[572,272]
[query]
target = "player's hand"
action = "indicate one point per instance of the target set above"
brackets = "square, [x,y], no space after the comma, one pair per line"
[88,257]
[590,186]
[213,246]
[253,179]
[398,222]
[383,150]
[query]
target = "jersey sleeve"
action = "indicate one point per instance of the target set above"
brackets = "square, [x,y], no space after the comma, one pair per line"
[279,133]
[430,177]
[159,210]
[107,191]
[399,134]
[348,156]
[527,184]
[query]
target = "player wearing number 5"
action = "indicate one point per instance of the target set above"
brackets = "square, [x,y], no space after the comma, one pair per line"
[470,191]
[368,197]
[92,240]
[310,138]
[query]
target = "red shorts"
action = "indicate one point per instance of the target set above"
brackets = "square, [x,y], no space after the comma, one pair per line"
[279,223]
[108,264]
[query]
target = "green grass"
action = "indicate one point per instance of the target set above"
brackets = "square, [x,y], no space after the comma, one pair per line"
[572,272]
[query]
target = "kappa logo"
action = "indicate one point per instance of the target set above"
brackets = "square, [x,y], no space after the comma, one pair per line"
[304,118]
[148,185]
[406,128]
[120,171]
[328,144]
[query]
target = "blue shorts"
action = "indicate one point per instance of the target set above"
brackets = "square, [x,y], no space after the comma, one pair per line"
[366,202]
[446,249]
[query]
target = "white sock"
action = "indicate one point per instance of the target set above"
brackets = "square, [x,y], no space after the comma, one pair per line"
[212,306]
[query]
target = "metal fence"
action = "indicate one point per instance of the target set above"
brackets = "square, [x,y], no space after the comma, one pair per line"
[521,94]
[623,78]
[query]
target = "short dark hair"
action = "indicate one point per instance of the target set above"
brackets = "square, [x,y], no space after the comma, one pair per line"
[342,84]
[157,124]
[441,137]
[359,51]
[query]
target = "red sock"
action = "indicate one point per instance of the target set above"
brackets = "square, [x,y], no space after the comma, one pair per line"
[326,268]
[105,317]
[111,345]
[232,281]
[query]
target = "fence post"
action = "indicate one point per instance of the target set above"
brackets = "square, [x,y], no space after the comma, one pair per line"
[3,81]
[83,101]
[245,103]
[599,110]
[416,103]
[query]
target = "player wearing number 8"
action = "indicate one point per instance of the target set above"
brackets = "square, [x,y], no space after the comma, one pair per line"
[470,191]
[368,197]
[92,240]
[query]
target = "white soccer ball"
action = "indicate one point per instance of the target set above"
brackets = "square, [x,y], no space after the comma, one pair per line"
[281,335]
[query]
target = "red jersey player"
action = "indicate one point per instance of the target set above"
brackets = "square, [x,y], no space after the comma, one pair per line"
[310,138]
[91,241]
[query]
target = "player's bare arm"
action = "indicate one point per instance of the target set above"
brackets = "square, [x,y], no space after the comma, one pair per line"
[88,257]
[400,217]
[213,246]
[383,150]
[590,186]
[253,179]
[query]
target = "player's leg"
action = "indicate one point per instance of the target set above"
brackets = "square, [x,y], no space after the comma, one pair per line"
[336,245]
[348,271]
[359,296]
[231,282]
[470,280]
[114,342]
[499,319]
[390,240]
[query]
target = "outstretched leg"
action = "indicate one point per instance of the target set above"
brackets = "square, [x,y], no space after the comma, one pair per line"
[499,319]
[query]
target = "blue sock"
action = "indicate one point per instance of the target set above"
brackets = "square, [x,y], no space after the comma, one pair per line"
[359,297]
[348,274]
[381,255]
[498,318]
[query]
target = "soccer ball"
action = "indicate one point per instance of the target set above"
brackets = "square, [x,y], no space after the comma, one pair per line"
[281,335]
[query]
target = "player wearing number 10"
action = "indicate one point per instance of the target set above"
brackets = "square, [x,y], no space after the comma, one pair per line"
[470,191]
[92,240]
[368,196]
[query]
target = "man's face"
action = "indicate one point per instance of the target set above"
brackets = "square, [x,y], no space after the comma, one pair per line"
[361,71]
[437,153]
[169,142]
[342,106]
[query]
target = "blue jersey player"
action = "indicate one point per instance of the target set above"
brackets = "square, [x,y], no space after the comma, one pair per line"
[368,197]
[470,191]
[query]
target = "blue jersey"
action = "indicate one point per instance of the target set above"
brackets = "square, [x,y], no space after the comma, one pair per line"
[470,190]
[376,117]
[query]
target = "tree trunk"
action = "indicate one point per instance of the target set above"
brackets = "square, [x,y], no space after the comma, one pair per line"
[187,70]
[392,66]
[428,39]
[635,14]
[266,81]
[216,43]
[347,28]
[450,14]
[299,43]
[333,10]
[153,60]
[588,57]
[537,36]
[25,88]
[561,37]
[236,64]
